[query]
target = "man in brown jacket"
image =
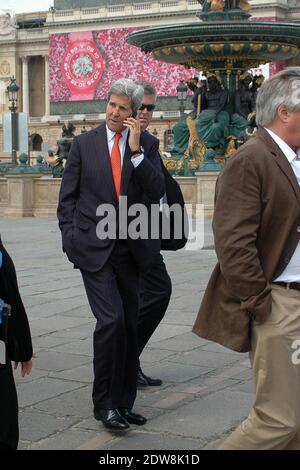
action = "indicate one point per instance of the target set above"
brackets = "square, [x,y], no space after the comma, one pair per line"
[252,301]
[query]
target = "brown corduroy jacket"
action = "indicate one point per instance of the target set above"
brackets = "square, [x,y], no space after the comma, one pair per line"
[256,228]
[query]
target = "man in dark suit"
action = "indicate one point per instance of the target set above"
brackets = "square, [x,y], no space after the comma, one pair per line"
[15,334]
[156,286]
[116,159]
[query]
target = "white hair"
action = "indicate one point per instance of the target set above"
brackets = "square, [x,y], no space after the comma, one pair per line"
[126,87]
[282,88]
[149,89]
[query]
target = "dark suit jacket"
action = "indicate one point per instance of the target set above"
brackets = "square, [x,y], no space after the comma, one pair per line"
[19,340]
[175,196]
[257,229]
[88,182]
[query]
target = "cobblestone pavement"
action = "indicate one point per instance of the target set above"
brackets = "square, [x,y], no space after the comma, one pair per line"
[206,391]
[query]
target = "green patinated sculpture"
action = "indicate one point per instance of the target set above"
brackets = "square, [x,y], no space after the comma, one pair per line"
[41,166]
[212,123]
[213,127]
[23,167]
[244,105]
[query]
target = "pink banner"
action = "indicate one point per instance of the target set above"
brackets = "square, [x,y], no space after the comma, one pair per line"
[84,65]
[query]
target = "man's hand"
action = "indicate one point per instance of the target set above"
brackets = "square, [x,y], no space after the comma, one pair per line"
[25,367]
[134,127]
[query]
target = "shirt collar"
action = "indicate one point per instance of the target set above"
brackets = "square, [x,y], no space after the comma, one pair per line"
[111,134]
[286,149]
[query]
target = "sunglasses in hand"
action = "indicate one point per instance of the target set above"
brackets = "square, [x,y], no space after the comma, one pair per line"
[149,107]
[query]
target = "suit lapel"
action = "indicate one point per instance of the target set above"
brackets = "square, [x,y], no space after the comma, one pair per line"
[103,157]
[281,160]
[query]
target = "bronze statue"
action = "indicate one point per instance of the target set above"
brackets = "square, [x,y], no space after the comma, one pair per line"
[257,82]
[232,4]
[238,4]
[204,4]
[244,105]
[58,160]
[217,5]
[215,96]
[213,123]
[209,128]
[222,5]
[198,88]
[68,131]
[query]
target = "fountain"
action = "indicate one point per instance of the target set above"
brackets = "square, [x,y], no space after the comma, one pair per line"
[224,46]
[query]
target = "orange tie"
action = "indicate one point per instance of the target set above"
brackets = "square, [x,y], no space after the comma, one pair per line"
[116,163]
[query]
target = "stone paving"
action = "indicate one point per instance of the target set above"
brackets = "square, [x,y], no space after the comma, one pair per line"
[206,391]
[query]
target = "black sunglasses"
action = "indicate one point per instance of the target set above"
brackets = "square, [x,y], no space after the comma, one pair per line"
[149,107]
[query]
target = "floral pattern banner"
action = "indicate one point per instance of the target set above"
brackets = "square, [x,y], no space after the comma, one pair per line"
[84,65]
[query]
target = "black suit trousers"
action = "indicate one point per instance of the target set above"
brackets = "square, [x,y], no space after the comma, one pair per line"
[113,297]
[9,429]
[155,293]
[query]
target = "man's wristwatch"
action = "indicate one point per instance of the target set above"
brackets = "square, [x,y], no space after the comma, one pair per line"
[137,152]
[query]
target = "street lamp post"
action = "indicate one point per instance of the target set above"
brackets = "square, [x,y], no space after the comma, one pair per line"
[29,147]
[83,130]
[12,91]
[182,90]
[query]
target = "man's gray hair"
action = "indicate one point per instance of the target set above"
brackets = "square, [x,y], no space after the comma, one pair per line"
[149,89]
[126,87]
[282,88]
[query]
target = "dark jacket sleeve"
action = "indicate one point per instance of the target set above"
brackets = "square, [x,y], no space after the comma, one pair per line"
[19,339]
[69,188]
[149,172]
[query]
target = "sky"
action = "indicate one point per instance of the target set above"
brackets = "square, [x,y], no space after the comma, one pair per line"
[23,6]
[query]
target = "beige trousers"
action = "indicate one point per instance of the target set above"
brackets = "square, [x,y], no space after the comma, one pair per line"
[274,421]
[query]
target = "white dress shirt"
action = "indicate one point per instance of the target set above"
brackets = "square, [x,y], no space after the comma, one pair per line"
[122,145]
[292,271]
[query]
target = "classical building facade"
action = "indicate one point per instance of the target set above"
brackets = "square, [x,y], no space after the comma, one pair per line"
[26,50]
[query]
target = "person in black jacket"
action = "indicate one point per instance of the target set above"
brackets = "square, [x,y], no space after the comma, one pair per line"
[18,349]
[156,286]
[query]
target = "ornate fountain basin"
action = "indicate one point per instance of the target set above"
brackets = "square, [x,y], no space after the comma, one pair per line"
[225,45]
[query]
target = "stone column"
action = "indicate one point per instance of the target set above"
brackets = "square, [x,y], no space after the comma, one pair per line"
[25,80]
[47,99]
[206,183]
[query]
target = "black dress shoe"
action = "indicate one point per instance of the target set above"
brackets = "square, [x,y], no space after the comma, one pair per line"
[111,419]
[144,381]
[132,418]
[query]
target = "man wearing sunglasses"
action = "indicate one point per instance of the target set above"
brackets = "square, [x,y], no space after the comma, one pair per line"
[156,286]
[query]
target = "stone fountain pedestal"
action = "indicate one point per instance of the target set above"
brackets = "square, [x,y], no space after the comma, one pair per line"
[199,189]
[36,195]
[20,191]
